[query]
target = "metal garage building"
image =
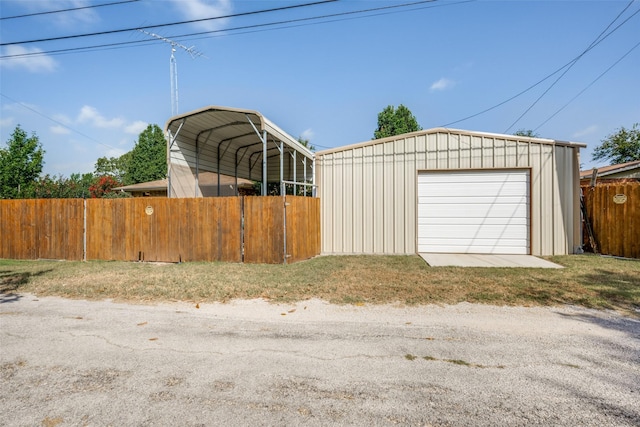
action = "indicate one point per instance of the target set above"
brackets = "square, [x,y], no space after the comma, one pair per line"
[450,191]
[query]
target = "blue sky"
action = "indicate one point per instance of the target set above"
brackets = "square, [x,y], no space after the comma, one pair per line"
[324,79]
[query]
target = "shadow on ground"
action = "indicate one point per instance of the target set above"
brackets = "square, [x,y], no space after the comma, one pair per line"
[620,288]
[12,281]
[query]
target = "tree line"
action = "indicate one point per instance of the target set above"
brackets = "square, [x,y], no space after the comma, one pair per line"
[22,161]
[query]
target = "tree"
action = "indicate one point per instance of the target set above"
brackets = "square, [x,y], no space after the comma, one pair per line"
[60,187]
[526,132]
[305,143]
[20,165]
[148,159]
[620,147]
[115,167]
[392,121]
[103,187]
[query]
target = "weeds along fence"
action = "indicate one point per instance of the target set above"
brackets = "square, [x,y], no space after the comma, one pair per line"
[614,213]
[232,229]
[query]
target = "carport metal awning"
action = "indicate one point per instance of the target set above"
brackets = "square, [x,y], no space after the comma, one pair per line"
[236,142]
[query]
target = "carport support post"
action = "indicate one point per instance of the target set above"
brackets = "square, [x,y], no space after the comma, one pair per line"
[295,176]
[264,163]
[283,190]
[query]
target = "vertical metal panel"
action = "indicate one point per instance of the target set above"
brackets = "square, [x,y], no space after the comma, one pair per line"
[368,190]
[368,198]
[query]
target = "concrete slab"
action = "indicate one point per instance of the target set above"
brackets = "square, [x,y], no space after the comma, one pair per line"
[481,260]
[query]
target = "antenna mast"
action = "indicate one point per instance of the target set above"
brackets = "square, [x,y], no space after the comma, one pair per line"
[173,66]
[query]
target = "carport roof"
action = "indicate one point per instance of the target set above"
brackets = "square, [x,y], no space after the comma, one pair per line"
[238,127]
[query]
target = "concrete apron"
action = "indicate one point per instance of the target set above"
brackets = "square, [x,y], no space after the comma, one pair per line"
[482,260]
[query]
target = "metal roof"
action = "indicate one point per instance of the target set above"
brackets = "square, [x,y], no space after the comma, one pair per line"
[612,169]
[233,141]
[453,131]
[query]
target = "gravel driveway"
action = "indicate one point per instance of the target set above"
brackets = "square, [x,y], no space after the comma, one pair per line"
[72,363]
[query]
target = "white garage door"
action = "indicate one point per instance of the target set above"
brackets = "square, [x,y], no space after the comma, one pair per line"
[474,211]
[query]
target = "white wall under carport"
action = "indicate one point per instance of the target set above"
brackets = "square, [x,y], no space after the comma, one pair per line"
[368,191]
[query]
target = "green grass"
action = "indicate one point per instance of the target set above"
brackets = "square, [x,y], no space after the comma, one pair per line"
[587,280]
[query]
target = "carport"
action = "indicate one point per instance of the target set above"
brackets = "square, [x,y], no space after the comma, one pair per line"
[236,142]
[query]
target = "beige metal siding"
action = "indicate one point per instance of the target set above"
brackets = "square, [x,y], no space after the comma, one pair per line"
[368,190]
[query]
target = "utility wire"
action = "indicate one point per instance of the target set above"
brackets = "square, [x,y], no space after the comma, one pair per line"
[67,10]
[575,60]
[289,21]
[539,81]
[588,86]
[235,15]
[56,121]
[382,10]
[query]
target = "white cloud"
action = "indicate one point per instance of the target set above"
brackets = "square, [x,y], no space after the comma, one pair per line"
[59,130]
[115,152]
[442,84]
[307,134]
[92,116]
[63,119]
[136,127]
[586,131]
[6,122]
[66,19]
[199,9]
[29,59]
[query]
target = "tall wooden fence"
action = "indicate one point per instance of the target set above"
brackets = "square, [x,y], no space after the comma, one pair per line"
[614,213]
[232,229]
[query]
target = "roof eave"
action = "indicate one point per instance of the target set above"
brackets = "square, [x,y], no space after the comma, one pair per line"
[450,130]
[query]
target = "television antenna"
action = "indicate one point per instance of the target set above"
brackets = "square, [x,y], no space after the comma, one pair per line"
[173,65]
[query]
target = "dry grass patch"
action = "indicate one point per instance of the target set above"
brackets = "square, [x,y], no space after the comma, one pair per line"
[591,281]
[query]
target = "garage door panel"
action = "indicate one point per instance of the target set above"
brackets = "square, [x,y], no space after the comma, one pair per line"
[477,176]
[472,200]
[471,188]
[474,211]
[471,242]
[450,248]
[472,221]
[473,231]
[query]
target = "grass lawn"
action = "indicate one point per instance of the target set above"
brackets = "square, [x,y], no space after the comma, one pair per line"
[587,280]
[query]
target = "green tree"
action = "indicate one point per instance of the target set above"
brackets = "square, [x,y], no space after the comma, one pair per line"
[526,132]
[148,159]
[61,187]
[305,143]
[620,147]
[20,165]
[115,167]
[81,183]
[395,121]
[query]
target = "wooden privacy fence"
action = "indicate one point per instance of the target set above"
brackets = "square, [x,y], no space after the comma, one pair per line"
[614,213]
[232,229]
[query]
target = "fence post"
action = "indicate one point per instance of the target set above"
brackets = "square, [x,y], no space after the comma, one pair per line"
[84,230]
[284,223]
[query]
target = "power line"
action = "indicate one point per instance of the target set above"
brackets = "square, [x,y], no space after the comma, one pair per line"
[575,60]
[541,80]
[333,15]
[68,10]
[381,10]
[235,15]
[588,86]
[55,121]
